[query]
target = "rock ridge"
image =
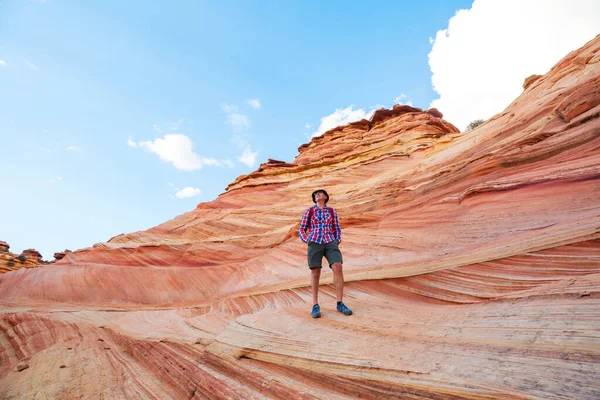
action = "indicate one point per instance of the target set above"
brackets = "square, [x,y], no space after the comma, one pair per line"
[472,262]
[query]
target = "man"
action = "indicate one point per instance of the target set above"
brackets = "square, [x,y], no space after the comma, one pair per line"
[323,240]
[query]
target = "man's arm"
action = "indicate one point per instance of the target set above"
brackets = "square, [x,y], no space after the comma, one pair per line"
[336,226]
[303,227]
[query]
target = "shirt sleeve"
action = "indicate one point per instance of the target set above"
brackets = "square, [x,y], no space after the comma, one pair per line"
[303,227]
[336,226]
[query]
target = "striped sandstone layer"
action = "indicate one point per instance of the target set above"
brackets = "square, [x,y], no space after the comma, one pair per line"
[11,262]
[472,261]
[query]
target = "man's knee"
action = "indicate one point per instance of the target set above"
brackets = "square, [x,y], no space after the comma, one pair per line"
[315,271]
[336,267]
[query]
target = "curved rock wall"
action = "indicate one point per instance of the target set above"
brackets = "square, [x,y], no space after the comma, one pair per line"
[472,261]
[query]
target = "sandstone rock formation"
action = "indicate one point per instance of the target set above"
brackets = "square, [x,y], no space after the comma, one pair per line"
[472,261]
[61,254]
[10,261]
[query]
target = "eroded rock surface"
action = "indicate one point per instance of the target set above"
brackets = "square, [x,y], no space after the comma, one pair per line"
[472,261]
[11,262]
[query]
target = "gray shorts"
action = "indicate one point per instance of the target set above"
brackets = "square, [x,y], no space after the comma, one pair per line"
[316,252]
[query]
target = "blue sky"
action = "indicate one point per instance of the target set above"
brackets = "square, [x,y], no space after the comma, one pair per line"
[108,109]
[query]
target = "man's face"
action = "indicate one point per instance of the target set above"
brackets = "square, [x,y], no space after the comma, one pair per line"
[320,196]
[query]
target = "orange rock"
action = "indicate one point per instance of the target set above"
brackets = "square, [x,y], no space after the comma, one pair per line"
[530,80]
[472,263]
[10,261]
[61,255]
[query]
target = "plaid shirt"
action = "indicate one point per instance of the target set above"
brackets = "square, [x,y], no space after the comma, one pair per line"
[322,228]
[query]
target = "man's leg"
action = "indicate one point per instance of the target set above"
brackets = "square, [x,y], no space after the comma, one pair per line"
[315,257]
[315,275]
[334,256]
[338,280]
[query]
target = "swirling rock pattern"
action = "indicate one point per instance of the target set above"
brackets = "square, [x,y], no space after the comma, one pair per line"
[472,261]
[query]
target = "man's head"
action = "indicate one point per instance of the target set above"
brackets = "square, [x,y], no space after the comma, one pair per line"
[321,193]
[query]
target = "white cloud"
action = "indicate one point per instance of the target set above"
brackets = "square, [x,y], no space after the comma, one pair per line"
[178,149]
[240,140]
[240,125]
[307,126]
[188,192]
[157,128]
[2,63]
[248,157]
[238,122]
[342,117]
[400,100]
[131,143]
[46,150]
[480,61]
[55,180]
[175,125]
[75,149]
[254,103]
[31,65]
[229,108]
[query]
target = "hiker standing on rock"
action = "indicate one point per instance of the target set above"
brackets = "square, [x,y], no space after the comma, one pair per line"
[323,239]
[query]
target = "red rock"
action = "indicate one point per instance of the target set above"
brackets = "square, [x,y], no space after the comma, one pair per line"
[472,263]
[579,102]
[382,114]
[435,112]
[11,262]
[530,80]
[32,255]
[61,255]
[21,366]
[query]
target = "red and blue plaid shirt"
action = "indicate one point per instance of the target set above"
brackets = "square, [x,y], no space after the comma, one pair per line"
[322,228]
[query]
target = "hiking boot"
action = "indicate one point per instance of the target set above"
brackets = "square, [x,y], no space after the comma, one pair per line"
[316,311]
[341,307]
